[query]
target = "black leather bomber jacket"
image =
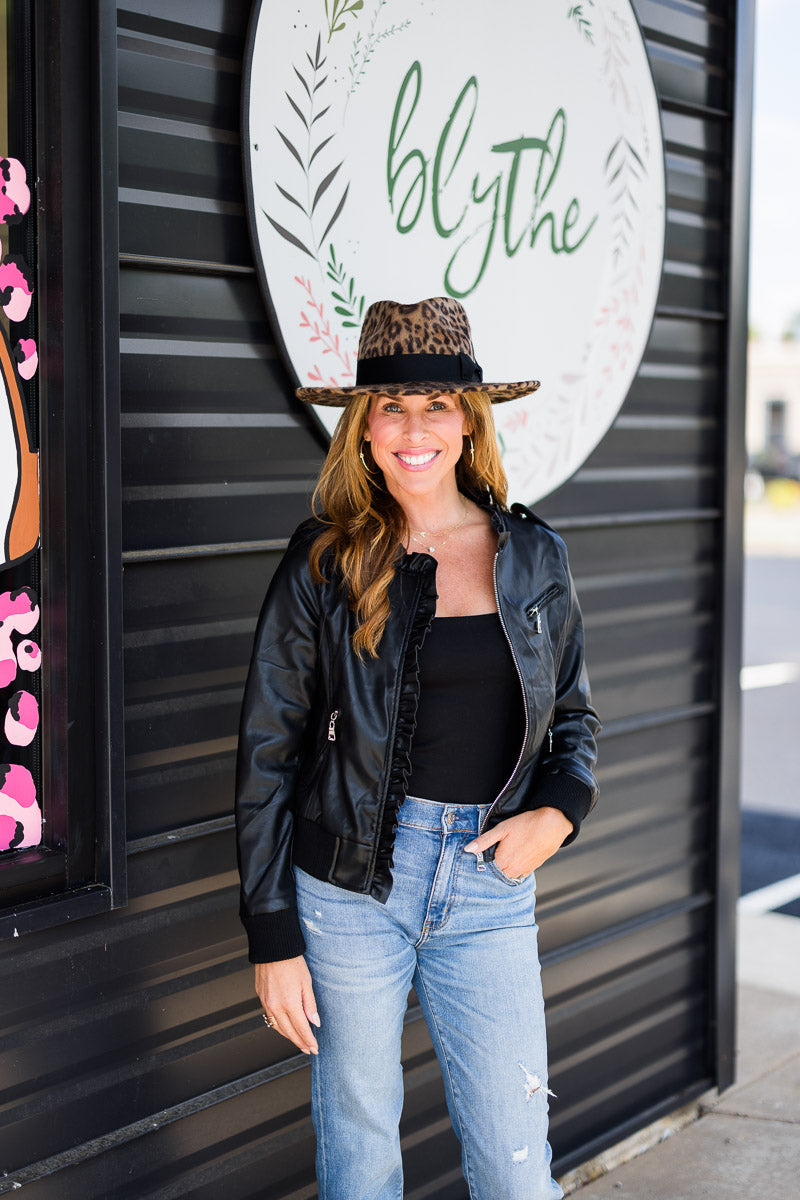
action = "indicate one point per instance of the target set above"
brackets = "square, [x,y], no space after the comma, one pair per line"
[325,736]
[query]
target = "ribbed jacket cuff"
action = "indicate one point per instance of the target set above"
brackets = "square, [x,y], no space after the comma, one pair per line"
[274,936]
[568,794]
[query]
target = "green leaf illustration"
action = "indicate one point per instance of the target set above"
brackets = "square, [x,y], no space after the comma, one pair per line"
[348,305]
[584,25]
[363,48]
[336,12]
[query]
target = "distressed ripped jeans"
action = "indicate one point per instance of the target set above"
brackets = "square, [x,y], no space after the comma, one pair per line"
[466,938]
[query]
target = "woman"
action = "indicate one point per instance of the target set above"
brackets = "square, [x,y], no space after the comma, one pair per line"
[417,738]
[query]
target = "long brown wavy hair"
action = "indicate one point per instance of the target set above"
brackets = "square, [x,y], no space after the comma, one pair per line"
[364,524]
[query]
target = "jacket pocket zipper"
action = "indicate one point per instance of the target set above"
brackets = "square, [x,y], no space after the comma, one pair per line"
[534,611]
[332,725]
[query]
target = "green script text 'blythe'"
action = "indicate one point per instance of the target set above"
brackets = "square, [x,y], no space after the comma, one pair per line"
[407,181]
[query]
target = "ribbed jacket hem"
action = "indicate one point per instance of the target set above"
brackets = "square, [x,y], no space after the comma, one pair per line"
[274,936]
[568,794]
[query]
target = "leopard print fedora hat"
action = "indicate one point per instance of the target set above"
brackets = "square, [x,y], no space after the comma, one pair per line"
[416,349]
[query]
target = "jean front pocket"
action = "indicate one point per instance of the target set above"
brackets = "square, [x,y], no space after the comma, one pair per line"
[495,870]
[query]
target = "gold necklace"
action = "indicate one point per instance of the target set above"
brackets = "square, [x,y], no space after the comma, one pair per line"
[424,537]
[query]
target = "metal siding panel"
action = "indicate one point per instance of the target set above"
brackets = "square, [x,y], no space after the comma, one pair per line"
[694,77]
[152,1017]
[189,627]
[184,382]
[204,409]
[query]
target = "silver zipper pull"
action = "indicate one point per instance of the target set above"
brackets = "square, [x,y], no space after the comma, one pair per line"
[332,726]
[481,863]
[534,614]
[550,735]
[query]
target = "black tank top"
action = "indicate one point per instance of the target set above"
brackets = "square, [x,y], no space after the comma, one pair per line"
[471,718]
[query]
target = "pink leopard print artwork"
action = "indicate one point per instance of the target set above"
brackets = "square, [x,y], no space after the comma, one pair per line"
[27,358]
[20,815]
[22,719]
[15,195]
[20,656]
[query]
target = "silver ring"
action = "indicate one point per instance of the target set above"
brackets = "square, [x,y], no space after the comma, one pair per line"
[268,1021]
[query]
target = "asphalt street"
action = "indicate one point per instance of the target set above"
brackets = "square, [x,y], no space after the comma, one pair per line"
[771,725]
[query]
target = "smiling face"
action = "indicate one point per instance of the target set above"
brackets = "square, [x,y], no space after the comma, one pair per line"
[417,441]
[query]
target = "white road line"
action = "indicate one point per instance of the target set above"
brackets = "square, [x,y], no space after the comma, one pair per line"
[766,899]
[769,675]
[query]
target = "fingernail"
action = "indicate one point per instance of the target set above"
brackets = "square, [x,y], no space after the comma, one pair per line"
[315,1049]
[314,1019]
[304,1050]
[470,846]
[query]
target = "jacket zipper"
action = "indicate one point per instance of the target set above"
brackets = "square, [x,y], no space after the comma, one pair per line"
[332,725]
[535,610]
[481,865]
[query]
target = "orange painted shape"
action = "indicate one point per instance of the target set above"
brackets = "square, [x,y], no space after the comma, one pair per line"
[22,531]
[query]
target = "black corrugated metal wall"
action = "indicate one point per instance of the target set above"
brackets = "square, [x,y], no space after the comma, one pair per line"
[138,1065]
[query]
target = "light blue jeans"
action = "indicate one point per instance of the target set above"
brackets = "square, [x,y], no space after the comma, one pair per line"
[465,936]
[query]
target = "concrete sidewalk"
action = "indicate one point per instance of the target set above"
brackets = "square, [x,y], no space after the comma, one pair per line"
[747,1141]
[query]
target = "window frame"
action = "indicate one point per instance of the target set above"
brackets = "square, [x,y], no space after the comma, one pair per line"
[69,75]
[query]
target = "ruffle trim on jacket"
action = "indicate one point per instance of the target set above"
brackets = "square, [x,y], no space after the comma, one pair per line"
[400,766]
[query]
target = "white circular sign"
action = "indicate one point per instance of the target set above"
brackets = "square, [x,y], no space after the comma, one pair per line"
[510,156]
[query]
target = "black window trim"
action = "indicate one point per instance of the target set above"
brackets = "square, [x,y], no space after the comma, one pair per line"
[81,867]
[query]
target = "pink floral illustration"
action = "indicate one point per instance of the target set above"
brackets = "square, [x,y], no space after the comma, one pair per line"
[617,317]
[319,330]
[517,421]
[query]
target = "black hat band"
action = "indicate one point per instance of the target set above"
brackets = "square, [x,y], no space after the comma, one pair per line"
[417,368]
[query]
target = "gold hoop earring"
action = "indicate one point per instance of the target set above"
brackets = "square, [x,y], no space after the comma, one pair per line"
[471,450]
[364,461]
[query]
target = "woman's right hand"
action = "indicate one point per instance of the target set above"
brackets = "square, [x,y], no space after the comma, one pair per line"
[285,991]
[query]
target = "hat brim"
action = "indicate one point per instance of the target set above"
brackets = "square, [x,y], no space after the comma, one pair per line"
[337,397]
